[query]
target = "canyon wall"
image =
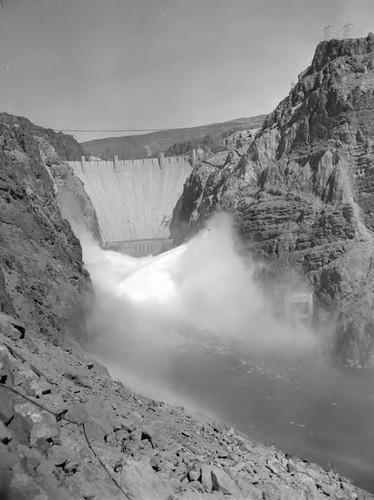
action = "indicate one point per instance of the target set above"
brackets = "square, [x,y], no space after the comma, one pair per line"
[301,193]
[43,283]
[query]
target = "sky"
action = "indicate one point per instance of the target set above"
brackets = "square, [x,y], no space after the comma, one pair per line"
[150,64]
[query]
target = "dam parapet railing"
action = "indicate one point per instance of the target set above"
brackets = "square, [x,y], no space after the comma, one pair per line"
[123,165]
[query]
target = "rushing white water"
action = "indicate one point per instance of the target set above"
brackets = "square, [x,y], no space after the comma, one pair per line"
[204,288]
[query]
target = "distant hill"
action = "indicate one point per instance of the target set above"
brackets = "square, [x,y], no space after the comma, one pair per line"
[142,146]
[302,194]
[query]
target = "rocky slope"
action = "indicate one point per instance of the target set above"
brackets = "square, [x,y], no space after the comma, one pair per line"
[67,431]
[302,191]
[42,279]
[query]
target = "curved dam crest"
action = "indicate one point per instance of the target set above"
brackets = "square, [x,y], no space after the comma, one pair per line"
[134,199]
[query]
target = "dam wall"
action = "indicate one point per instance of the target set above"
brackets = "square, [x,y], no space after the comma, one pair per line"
[134,199]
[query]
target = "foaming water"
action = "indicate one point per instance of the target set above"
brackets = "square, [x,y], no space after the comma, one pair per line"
[205,286]
[192,326]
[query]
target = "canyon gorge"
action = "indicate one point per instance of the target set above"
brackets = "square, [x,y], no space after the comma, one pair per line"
[93,339]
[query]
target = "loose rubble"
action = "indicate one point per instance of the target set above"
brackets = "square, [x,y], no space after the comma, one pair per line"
[67,430]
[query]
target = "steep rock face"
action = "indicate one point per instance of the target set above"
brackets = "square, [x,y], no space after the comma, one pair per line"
[42,279]
[302,191]
[75,204]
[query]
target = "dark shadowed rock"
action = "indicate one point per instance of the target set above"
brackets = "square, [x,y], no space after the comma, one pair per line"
[6,406]
[42,279]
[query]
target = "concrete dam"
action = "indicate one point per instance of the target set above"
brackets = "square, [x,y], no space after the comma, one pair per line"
[134,199]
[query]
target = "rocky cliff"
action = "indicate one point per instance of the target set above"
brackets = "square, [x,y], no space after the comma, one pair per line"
[42,279]
[302,191]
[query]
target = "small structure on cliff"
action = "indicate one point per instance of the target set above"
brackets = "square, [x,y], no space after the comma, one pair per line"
[299,307]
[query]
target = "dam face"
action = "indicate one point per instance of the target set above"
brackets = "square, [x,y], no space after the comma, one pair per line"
[134,199]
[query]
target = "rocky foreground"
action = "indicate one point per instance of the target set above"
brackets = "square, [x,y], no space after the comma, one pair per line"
[67,430]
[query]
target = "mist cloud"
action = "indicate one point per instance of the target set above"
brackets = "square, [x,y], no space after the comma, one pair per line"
[147,309]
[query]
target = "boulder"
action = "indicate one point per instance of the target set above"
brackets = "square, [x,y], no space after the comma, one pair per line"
[222,482]
[11,326]
[142,483]
[206,478]
[7,405]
